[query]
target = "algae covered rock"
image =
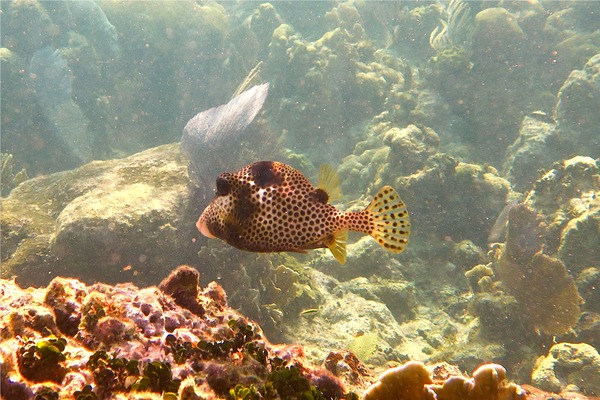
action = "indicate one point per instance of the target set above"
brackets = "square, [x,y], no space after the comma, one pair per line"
[111,220]
[569,364]
[454,199]
[494,37]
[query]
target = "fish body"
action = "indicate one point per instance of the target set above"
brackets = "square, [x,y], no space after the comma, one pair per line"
[269,206]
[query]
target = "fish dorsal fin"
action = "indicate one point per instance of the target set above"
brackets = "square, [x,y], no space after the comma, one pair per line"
[337,245]
[390,218]
[329,181]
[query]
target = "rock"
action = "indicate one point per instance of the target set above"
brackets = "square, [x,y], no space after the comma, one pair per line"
[109,221]
[567,196]
[522,261]
[410,147]
[536,147]
[495,35]
[577,108]
[454,199]
[569,364]
[581,234]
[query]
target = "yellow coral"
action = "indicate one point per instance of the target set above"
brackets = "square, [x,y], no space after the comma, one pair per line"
[413,381]
[404,382]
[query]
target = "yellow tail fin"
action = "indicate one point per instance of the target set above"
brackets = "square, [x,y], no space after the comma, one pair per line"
[390,219]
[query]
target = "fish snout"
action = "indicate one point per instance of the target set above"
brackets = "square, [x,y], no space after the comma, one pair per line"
[202,226]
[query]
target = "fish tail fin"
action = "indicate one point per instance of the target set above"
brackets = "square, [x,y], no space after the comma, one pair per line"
[337,245]
[388,220]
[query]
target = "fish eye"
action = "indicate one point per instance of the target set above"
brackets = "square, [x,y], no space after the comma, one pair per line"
[223,187]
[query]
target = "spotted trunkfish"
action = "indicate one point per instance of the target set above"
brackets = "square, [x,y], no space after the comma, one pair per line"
[269,206]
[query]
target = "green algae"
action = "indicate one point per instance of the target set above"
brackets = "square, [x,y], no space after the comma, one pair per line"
[365,346]
[41,360]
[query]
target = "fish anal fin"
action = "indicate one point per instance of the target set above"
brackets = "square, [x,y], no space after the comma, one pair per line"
[329,181]
[337,245]
[391,223]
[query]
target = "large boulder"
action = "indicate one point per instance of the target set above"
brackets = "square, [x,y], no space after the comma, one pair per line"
[114,221]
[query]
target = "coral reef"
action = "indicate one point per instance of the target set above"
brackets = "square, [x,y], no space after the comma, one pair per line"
[567,198]
[537,146]
[371,86]
[409,158]
[122,342]
[179,341]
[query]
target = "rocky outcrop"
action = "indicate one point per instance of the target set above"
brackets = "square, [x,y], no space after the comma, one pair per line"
[107,220]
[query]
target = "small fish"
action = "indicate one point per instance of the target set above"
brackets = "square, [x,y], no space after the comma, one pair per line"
[309,311]
[269,206]
[498,231]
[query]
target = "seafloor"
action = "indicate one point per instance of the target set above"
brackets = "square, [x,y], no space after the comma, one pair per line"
[484,116]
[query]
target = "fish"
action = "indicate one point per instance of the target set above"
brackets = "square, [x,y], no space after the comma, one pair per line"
[269,206]
[498,231]
[309,311]
[214,137]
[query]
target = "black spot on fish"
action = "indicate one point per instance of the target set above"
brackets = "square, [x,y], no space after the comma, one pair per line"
[265,175]
[320,195]
[223,186]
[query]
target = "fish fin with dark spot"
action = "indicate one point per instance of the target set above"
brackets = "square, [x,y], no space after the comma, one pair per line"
[390,218]
[329,181]
[337,245]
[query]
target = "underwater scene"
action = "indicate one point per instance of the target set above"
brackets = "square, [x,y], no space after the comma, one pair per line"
[300,200]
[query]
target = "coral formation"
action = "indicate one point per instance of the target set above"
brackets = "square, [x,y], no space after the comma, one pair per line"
[413,381]
[567,198]
[521,261]
[153,342]
[577,108]
[537,146]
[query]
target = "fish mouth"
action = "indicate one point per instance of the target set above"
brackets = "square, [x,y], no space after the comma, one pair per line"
[204,229]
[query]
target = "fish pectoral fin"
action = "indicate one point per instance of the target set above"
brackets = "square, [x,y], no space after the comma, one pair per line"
[391,221]
[329,181]
[337,245]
